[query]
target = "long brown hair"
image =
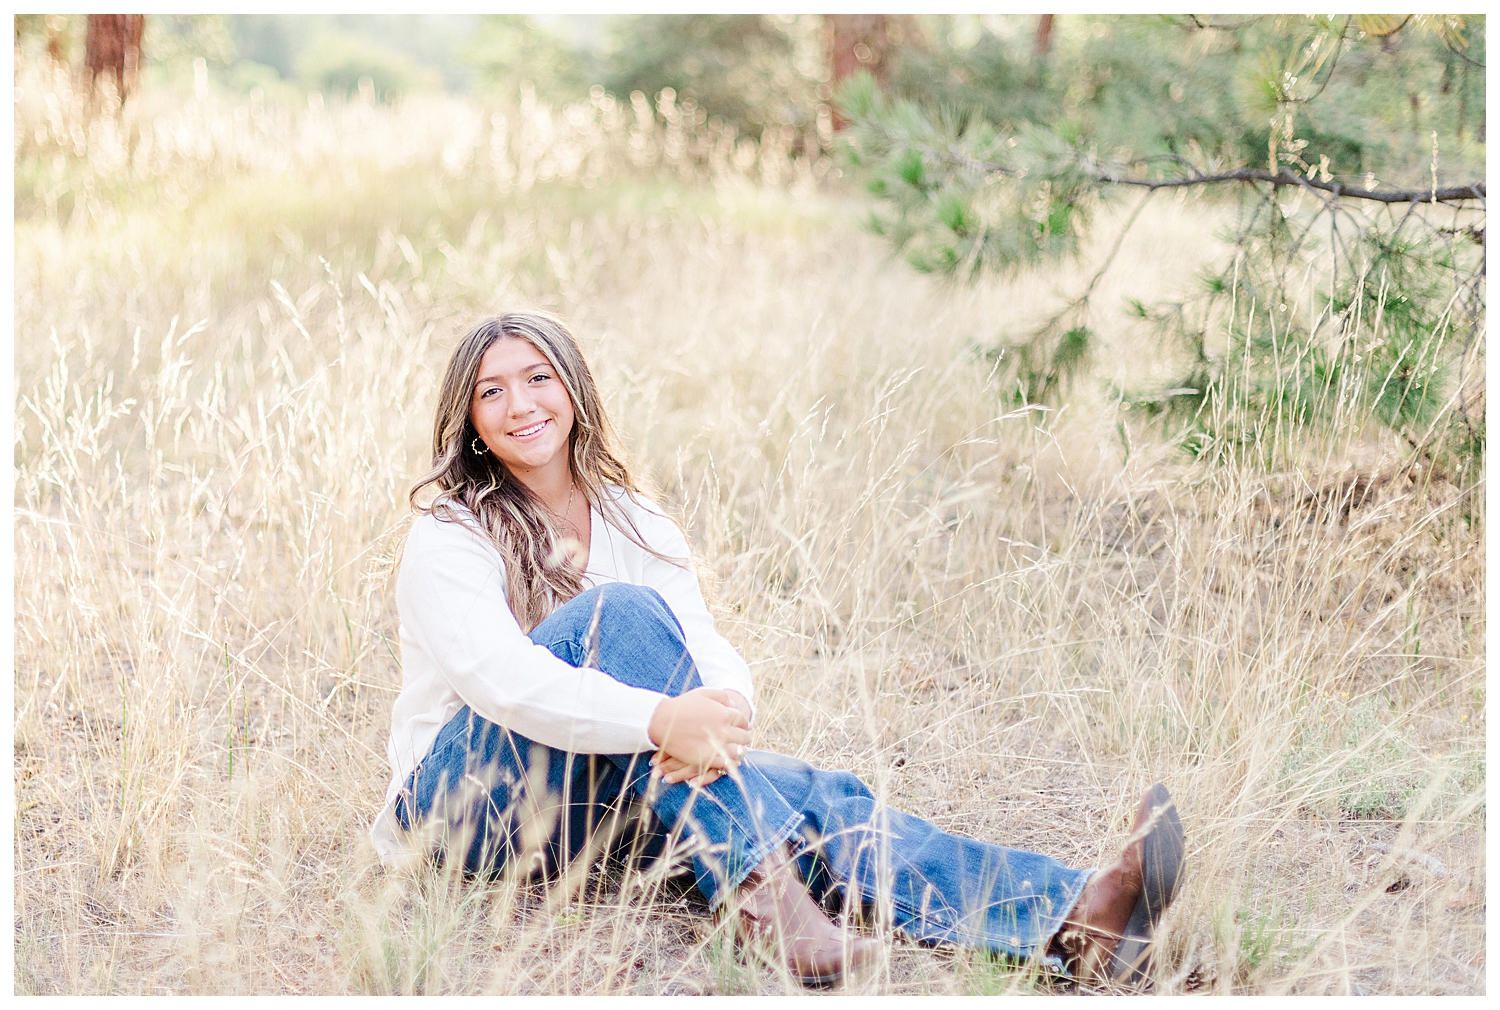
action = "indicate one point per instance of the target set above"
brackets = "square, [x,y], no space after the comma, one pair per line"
[539,574]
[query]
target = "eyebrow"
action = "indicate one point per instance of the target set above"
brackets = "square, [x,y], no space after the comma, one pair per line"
[525,371]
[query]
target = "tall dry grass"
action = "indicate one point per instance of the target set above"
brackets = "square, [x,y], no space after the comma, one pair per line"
[997,616]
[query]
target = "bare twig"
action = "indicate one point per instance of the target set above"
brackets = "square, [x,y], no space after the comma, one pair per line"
[1115,250]
[1286,177]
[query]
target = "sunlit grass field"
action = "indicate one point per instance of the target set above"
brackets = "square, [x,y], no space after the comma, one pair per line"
[1008,620]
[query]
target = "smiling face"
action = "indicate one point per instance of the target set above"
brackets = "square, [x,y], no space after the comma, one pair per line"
[522,410]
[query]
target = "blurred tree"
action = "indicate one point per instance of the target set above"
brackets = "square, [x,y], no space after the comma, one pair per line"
[346,66]
[166,44]
[113,48]
[175,40]
[979,163]
[753,71]
[56,34]
[398,53]
[434,43]
[268,39]
[1044,34]
[510,49]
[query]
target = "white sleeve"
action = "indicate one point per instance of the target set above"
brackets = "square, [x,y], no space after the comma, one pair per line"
[450,595]
[719,664]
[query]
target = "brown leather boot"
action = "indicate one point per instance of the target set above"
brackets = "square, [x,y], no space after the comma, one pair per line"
[1107,936]
[772,905]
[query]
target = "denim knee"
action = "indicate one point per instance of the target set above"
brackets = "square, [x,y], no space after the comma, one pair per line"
[626,602]
[628,631]
[618,608]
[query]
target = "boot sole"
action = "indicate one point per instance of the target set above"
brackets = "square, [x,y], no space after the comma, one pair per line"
[820,981]
[1162,852]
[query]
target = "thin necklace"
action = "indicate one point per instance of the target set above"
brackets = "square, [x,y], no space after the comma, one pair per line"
[563,518]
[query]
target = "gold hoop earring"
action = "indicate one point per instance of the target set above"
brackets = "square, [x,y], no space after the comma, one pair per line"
[473,447]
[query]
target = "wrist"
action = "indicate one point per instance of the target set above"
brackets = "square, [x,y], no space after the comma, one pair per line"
[661,719]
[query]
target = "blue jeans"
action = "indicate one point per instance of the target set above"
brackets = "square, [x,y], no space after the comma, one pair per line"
[492,794]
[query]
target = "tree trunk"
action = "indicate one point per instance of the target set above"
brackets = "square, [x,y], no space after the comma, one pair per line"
[1044,35]
[113,46]
[867,42]
[858,42]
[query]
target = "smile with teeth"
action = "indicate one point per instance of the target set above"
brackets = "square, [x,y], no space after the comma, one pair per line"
[529,431]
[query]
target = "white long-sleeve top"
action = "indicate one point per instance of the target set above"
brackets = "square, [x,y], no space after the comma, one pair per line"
[461,645]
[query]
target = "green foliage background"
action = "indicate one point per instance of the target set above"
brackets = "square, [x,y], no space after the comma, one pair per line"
[992,156]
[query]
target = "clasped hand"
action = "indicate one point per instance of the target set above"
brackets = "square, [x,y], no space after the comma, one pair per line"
[699,735]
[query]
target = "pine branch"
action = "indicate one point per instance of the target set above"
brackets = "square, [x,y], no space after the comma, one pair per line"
[1286,177]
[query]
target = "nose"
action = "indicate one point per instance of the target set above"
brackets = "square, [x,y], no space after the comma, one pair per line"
[521,401]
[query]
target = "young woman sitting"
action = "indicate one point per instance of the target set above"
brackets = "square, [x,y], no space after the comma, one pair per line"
[558,662]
